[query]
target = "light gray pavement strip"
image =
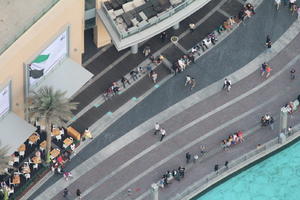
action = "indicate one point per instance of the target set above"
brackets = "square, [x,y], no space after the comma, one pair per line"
[285,68]
[256,66]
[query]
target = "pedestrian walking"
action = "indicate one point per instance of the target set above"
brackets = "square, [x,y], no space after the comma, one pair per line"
[292,3]
[154,76]
[67,175]
[268,42]
[124,80]
[188,157]
[65,193]
[192,27]
[187,80]
[133,75]
[292,74]
[78,194]
[227,84]
[263,68]
[226,164]
[268,70]
[156,128]
[163,133]
[87,134]
[146,51]
[193,83]
[294,9]
[163,36]
[217,168]
[195,158]
[277,3]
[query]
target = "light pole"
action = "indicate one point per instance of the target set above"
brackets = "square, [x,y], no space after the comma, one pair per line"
[283,120]
[154,191]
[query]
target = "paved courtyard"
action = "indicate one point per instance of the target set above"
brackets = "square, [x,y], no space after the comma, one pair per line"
[127,154]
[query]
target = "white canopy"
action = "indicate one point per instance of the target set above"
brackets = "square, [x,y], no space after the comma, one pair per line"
[69,77]
[14,131]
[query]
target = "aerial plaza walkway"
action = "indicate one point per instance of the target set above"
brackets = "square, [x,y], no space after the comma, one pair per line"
[204,116]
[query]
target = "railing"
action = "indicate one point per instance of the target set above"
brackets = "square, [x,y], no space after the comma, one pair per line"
[233,164]
[152,21]
[26,27]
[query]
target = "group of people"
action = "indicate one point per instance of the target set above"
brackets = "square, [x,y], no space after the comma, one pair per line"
[159,130]
[265,70]
[190,81]
[232,140]
[246,12]
[176,174]
[267,120]
[292,5]
[181,64]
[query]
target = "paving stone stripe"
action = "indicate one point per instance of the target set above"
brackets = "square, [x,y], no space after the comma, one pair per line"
[224,13]
[183,149]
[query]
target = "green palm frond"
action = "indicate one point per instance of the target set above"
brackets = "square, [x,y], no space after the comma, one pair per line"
[50,105]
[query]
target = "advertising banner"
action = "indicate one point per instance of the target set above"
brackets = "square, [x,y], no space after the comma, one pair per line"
[48,58]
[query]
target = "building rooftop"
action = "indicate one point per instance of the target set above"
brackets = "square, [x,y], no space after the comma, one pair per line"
[16,16]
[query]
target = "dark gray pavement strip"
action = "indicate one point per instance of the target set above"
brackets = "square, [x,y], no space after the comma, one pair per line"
[87,119]
[104,82]
[215,65]
[232,7]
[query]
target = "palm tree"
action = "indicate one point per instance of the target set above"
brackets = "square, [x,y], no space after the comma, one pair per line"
[50,108]
[4,159]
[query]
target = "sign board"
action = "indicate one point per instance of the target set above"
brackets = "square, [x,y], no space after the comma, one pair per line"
[48,58]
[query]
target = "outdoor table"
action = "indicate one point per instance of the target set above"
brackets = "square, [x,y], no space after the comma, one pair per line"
[22,148]
[36,160]
[16,179]
[68,142]
[55,132]
[26,170]
[54,153]
[34,138]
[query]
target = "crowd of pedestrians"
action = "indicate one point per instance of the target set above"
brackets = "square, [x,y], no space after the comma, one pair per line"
[232,140]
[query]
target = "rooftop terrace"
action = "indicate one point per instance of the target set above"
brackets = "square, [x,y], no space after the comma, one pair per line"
[16,16]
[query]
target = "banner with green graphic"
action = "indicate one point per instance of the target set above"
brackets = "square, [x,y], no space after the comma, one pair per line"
[48,58]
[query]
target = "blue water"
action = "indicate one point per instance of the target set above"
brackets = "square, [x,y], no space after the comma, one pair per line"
[276,178]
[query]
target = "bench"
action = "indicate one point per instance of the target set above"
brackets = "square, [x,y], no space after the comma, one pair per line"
[73,133]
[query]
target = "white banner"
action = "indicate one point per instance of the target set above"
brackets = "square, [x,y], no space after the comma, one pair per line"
[4,101]
[48,58]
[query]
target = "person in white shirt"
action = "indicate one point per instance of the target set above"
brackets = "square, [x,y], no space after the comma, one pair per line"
[188,80]
[277,3]
[163,133]
[157,128]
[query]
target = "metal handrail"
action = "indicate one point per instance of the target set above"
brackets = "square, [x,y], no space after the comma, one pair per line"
[26,27]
